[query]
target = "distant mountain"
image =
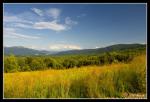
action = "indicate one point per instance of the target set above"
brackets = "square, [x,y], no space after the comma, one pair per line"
[19,50]
[117,47]
[16,50]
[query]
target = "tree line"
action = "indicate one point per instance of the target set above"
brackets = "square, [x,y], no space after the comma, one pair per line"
[14,63]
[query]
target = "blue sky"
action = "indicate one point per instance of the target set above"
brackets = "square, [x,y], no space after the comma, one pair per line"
[58,27]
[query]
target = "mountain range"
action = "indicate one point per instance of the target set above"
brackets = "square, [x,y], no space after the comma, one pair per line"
[18,50]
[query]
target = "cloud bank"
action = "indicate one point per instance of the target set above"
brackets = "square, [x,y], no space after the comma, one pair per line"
[64,47]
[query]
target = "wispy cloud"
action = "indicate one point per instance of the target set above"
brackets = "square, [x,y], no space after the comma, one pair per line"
[53,12]
[49,25]
[21,25]
[24,36]
[68,21]
[54,25]
[15,19]
[22,20]
[64,47]
[82,15]
[37,11]
[11,33]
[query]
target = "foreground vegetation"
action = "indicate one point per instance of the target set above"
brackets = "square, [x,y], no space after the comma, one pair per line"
[110,80]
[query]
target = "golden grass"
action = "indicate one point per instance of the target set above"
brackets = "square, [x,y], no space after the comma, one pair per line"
[90,81]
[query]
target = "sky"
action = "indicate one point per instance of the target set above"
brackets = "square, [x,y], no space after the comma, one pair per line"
[59,27]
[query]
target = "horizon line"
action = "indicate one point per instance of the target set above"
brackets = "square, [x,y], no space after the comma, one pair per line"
[75,49]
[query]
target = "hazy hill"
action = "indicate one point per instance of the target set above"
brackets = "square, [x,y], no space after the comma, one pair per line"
[117,47]
[17,50]
[27,51]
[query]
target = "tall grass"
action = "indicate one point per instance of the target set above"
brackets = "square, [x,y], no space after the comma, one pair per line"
[86,82]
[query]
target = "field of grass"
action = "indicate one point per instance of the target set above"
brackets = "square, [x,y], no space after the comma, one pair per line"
[108,81]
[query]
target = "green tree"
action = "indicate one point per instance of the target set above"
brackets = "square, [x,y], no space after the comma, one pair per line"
[23,65]
[37,64]
[11,64]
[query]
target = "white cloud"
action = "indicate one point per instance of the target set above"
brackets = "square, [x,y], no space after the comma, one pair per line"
[11,33]
[32,21]
[32,47]
[21,25]
[10,18]
[49,25]
[8,30]
[24,36]
[97,47]
[53,12]
[37,11]
[68,21]
[54,25]
[15,19]
[63,47]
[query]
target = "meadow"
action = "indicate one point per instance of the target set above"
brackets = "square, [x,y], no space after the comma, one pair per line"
[115,80]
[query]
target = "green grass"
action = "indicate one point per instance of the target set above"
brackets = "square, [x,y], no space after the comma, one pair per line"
[86,82]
